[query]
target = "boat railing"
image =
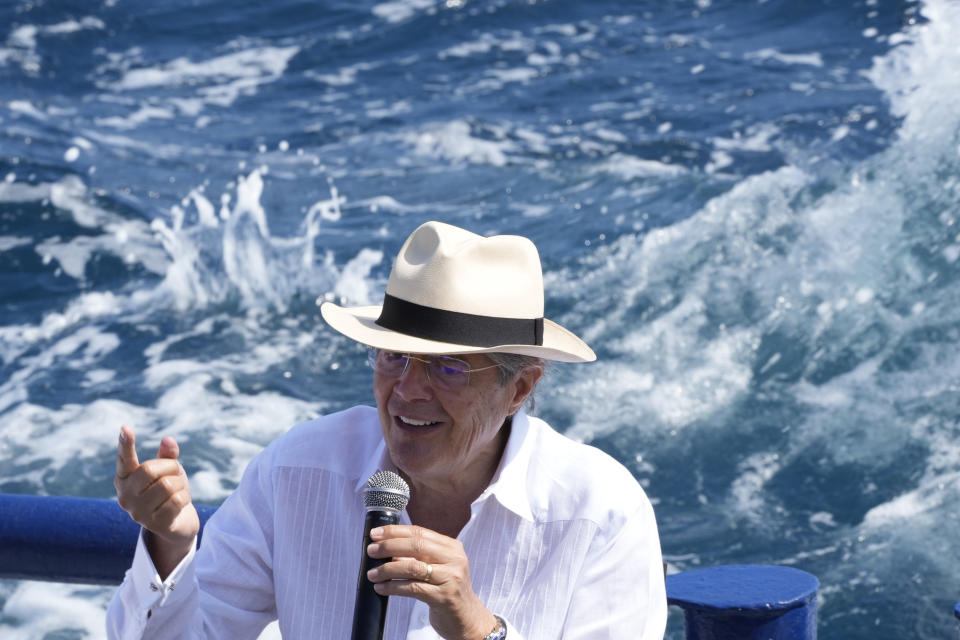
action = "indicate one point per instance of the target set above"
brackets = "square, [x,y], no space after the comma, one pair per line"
[92,541]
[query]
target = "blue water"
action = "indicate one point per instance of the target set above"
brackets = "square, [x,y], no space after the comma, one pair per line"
[749,209]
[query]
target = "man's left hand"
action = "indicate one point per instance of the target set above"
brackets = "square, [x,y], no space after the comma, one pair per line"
[432,568]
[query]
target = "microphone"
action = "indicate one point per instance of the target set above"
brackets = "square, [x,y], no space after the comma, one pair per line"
[384,497]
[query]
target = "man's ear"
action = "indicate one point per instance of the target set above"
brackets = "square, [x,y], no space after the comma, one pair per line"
[524,384]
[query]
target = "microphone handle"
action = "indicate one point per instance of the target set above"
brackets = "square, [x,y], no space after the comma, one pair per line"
[370,608]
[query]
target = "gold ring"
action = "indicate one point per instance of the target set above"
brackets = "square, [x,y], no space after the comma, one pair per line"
[429,573]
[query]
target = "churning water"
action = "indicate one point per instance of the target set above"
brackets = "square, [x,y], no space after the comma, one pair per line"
[748,208]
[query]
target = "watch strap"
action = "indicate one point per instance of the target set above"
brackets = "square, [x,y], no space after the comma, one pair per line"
[499,632]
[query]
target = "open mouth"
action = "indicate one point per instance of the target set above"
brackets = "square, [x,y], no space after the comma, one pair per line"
[413,422]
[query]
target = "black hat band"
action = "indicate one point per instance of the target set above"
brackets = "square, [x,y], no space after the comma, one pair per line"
[454,327]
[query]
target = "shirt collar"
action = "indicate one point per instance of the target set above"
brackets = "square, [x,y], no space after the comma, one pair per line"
[509,483]
[378,460]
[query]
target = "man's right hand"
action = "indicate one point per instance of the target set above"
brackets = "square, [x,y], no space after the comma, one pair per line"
[156,494]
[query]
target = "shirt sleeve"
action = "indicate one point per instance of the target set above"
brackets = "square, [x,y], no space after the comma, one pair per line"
[512,632]
[620,593]
[222,591]
[142,592]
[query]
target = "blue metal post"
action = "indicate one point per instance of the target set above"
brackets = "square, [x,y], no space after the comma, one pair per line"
[746,602]
[64,539]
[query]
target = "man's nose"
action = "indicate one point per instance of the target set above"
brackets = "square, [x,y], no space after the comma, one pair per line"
[414,382]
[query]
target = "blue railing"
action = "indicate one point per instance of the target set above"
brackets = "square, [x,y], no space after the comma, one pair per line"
[64,539]
[92,541]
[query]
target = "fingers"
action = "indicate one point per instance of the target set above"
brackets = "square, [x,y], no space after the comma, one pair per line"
[157,475]
[144,489]
[127,461]
[156,494]
[168,448]
[421,556]
[408,569]
[413,542]
[167,512]
[434,569]
[169,491]
[158,501]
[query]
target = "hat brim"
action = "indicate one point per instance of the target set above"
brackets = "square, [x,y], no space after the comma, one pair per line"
[359,323]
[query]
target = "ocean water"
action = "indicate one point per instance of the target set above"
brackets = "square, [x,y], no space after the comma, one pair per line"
[748,208]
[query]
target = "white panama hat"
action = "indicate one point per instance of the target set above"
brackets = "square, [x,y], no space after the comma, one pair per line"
[453,291]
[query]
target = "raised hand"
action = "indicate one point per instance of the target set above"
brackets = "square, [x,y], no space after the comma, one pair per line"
[156,494]
[434,569]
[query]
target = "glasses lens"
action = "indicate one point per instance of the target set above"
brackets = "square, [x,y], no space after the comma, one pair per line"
[449,372]
[444,371]
[387,362]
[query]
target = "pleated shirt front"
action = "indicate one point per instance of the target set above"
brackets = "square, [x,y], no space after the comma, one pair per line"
[562,544]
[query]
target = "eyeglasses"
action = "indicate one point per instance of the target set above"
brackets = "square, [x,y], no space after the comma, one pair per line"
[443,371]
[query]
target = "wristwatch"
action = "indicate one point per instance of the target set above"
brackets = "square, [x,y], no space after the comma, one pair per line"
[499,632]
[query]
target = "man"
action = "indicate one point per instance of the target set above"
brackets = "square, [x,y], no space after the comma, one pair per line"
[512,530]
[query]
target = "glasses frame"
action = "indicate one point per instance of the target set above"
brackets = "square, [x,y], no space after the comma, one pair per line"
[373,356]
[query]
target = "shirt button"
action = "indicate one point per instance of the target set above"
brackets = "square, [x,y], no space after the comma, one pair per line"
[154,587]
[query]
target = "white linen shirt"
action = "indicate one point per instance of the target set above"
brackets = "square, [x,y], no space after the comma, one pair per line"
[562,544]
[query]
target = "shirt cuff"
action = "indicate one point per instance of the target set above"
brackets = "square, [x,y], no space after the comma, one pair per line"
[150,590]
[512,632]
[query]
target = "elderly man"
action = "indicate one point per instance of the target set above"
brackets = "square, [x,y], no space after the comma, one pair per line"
[512,530]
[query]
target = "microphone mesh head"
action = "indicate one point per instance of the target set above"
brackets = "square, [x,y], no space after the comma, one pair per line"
[386,490]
